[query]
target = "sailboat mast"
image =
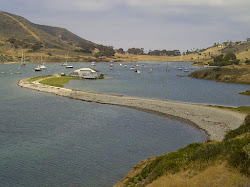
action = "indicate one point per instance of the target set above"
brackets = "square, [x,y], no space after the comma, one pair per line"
[22,58]
[67,58]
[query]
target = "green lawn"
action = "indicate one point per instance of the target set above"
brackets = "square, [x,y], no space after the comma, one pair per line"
[58,81]
[246,92]
[39,77]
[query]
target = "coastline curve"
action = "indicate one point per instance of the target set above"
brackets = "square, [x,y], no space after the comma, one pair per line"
[215,122]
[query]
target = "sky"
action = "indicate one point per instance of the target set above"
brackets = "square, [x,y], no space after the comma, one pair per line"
[148,24]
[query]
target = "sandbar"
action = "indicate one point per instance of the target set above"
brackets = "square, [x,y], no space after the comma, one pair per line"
[215,122]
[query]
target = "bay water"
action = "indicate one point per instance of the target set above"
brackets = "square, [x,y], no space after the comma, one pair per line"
[48,140]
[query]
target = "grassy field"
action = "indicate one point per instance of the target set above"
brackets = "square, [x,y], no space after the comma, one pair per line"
[246,92]
[39,77]
[58,81]
[188,165]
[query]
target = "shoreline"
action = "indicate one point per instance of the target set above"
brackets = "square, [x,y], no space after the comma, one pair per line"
[214,122]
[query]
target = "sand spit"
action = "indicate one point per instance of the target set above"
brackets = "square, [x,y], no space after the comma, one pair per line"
[214,121]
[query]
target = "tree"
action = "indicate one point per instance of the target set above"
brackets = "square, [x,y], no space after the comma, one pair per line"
[120,50]
[229,57]
[36,46]
[135,51]
[218,58]
[107,51]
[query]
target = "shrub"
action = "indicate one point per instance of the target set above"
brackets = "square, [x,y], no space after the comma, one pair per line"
[101,76]
[217,76]
[205,74]
[237,157]
[49,53]
[216,69]
[241,130]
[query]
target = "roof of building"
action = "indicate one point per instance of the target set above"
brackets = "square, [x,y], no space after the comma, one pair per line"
[86,69]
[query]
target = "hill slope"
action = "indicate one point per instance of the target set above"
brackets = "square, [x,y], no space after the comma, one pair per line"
[52,37]
[18,35]
[224,163]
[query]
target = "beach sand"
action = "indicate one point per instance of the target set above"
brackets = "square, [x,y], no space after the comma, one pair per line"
[215,122]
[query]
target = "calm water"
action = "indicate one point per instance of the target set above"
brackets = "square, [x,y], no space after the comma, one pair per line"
[48,140]
[165,85]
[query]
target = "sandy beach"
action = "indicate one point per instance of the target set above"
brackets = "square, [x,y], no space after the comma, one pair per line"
[214,121]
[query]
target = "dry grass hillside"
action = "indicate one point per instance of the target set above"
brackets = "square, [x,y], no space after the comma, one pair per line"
[233,74]
[225,163]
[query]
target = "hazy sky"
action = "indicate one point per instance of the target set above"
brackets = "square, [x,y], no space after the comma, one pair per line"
[149,24]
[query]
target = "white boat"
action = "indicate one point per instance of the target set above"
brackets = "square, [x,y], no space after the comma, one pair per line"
[180,68]
[68,66]
[42,66]
[111,67]
[186,70]
[38,68]
[92,63]
[150,70]
[23,60]
[133,68]
[138,72]
[64,64]
[121,65]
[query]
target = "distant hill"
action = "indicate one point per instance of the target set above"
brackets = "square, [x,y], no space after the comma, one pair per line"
[13,26]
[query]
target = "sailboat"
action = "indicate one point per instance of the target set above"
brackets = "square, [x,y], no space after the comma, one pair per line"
[42,66]
[68,66]
[23,60]
[65,63]
[38,68]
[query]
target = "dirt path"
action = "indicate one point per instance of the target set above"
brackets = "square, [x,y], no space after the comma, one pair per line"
[25,28]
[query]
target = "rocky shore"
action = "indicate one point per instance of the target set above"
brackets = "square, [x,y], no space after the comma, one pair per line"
[214,121]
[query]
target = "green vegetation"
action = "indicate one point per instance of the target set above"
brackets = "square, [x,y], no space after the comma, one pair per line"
[38,78]
[58,81]
[234,149]
[228,59]
[242,109]
[246,92]
[231,74]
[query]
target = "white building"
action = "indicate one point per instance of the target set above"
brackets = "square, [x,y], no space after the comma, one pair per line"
[86,73]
